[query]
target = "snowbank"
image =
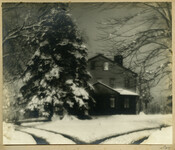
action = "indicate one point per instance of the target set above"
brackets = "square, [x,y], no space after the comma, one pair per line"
[163,136]
[11,136]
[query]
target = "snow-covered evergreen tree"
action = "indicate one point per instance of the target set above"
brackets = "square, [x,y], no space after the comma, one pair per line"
[56,79]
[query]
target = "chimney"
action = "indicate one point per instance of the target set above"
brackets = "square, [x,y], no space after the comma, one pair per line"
[118,59]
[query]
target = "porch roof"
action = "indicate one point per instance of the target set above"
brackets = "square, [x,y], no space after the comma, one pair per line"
[126,92]
[121,91]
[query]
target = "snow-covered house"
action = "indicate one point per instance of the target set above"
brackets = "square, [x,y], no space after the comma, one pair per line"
[114,86]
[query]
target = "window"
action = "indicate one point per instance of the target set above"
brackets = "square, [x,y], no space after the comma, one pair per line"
[106,66]
[112,102]
[127,82]
[112,82]
[126,102]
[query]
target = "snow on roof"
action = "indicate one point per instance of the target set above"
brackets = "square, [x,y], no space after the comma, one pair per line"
[119,90]
[125,92]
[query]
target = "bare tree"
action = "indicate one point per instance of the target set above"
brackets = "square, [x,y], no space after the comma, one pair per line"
[19,19]
[144,40]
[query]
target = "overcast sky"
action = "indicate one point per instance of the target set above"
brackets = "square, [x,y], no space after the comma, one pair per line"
[88,17]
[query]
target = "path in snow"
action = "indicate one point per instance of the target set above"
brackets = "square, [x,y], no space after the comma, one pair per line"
[38,140]
[122,134]
[34,130]
[46,137]
[155,136]
[99,128]
[116,129]
[73,139]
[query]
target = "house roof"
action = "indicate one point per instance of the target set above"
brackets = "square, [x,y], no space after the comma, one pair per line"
[126,92]
[101,55]
[120,91]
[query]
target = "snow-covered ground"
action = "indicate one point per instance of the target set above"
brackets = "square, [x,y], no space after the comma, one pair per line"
[11,136]
[163,136]
[129,138]
[156,136]
[51,138]
[115,129]
[101,127]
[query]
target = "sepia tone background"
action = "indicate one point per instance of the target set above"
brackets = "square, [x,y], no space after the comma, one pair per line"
[92,46]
